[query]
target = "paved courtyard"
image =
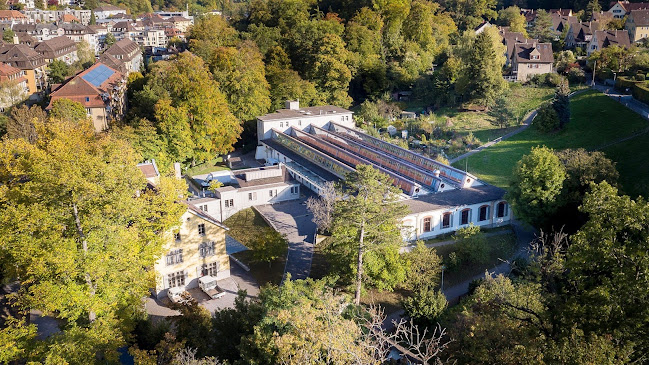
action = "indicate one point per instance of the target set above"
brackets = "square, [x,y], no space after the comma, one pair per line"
[293,220]
[239,279]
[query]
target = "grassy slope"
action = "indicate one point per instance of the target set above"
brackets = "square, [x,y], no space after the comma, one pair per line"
[631,157]
[244,226]
[596,120]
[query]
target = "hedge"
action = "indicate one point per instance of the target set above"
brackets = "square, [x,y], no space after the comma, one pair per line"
[641,93]
[623,82]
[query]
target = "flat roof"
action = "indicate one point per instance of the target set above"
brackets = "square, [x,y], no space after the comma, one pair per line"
[453,198]
[313,111]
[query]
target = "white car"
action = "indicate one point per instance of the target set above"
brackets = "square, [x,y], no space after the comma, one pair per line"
[210,287]
[177,295]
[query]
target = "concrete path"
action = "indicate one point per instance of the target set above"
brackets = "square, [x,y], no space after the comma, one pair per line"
[293,220]
[526,123]
[626,100]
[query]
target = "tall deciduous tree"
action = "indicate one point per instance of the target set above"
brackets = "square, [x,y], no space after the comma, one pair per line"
[58,71]
[242,78]
[536,186]
[11,93]
[208,33]
[608,265]
[512,18]
[201,110]
[322,207]
[366,221]
[22,121]
[81,234]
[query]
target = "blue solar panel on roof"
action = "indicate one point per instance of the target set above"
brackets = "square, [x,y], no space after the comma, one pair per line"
[98,75]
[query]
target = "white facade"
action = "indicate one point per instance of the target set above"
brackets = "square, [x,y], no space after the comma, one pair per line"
[107,13]
[430,224]
[228,200]
[300,118]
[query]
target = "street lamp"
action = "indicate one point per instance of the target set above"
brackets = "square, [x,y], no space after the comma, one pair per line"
[443,267]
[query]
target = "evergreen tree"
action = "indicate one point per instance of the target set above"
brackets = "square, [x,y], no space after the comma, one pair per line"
[93,19]
[561,103]
[593,7]
[502,113]
[482,78]
[542,28]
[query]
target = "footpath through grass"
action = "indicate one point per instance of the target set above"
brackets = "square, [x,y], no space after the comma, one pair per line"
[244,227]
[595,121]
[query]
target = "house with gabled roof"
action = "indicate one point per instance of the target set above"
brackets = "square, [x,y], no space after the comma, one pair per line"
[100,89]
[31,62]
[620,9]
[581,33]
[127,52]
[106,11]
[637,24]
[607,38]
[14,76]
[60,48]
[531,59]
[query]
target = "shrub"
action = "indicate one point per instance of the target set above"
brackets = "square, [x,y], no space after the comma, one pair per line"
[641,93]
[576,75]
[453,261]
[425,306]
[639,77]
[547,119]
[472,245]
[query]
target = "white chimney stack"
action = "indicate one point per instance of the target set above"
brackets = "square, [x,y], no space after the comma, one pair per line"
[177,171]
[292,104]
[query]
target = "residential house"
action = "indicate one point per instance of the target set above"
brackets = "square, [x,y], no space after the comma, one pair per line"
[60,48]
[509,39]
[15,76]
[606,38]
[620,9]
[602,16]
[126,52]
[181,23]
[561,12]
[40,31]
[152,38]
[26,59]
[100,89]
[581,33]
[637,24]
[562,23]
[26,39]
[13,17]
[531,59]
[80,32]
[69,18]
[106,11]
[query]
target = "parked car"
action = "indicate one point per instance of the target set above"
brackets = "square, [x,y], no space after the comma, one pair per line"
[178,295]
[210,287]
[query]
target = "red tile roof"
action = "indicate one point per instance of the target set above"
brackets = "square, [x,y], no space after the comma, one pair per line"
[78,89]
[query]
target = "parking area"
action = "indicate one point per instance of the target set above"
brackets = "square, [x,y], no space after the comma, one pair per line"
[239,279]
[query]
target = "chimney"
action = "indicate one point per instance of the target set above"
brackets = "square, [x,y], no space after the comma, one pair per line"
[436,173]
[177,170]
[292,104]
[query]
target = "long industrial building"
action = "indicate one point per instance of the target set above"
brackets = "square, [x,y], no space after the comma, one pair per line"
[320,144]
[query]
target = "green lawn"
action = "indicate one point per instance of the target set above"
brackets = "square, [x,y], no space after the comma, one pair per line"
[206,167]
[595,120]
[632,158]
[244,226]
[501,248]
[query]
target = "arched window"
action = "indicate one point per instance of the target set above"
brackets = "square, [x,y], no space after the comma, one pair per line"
[465,217]
[446,220]
[484,213]
[428,226]
[501,211]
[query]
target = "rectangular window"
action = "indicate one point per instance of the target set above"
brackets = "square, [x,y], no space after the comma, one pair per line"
[464,219]
[294,190]
[446,220]
[210,269]
[502,210]
[206,249]
[281,124]
[174,257]
[484,212]
[201,229]
[176,279]
[252,196]
[203,207]
[427,224]
[270,193]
